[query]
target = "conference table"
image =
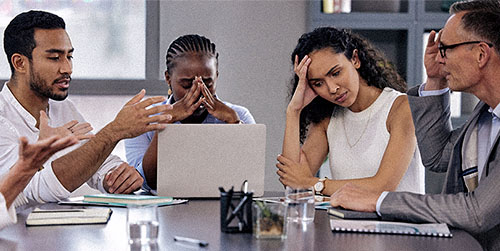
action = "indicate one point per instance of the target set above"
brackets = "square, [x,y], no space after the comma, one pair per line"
[200,219]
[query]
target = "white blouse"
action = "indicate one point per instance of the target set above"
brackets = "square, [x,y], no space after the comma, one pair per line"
[357,143]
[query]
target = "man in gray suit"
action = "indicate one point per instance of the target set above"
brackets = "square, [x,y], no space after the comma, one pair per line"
[465,57]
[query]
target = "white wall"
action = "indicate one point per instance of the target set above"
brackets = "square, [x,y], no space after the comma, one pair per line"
[99,111]
[255,40]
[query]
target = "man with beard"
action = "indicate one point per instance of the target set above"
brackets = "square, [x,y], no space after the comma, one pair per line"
[192,72]
[464,57]
[34,103]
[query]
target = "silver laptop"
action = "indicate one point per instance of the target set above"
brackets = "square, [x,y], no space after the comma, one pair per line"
[194,160]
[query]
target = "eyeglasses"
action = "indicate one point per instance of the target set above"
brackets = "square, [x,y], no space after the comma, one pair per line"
[442,47]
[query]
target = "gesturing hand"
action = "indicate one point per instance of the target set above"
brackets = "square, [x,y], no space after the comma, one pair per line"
[434,69]
[80,130]
[185,106]
[216,107]
[123,179]
[303,94]
[33,156]
[135,118]
[295,174]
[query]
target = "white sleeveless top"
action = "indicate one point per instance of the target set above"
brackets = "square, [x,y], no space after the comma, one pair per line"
[357,142]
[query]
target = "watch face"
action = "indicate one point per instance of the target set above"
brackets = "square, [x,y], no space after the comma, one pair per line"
[318,186]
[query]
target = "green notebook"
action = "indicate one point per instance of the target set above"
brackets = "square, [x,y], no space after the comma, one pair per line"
[127,199]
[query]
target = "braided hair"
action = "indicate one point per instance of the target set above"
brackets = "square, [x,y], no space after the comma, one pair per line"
[375,69]
[192,43]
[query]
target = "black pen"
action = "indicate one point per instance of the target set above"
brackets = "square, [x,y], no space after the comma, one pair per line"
[191,240]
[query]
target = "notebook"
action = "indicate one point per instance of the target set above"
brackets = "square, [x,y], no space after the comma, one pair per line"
[350,214]
[389,227]
[127,199]
[194,160]
[44,217]
[116,200]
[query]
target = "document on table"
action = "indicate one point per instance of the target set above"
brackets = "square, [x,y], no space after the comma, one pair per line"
[389,227]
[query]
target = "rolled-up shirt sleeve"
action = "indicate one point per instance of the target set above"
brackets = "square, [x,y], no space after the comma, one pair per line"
[97,180]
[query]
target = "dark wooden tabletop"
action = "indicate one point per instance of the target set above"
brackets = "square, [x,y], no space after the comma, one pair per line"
[200,219]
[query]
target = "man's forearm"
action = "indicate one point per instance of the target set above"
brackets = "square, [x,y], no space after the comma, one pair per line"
[76,167]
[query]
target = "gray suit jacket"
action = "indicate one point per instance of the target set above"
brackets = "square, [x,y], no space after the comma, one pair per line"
[476,212]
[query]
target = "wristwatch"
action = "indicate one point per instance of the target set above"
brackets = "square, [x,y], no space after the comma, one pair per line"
[320,185]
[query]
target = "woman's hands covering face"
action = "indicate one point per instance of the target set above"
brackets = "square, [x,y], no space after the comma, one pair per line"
[198,95]
[187,105]
[217,108]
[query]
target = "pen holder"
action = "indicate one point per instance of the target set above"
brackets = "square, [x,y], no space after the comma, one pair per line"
[236,212]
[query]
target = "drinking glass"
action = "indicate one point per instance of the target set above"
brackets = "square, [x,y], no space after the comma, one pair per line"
[300,203]
[142,224]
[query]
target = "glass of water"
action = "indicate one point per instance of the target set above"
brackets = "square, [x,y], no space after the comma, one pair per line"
[300,202]
[142,224]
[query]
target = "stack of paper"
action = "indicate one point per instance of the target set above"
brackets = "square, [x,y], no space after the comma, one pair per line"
[389,227]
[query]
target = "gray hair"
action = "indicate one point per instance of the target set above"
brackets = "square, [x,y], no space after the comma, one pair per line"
[482,19]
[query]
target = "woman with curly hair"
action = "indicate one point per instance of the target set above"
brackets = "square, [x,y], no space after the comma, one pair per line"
[349,101]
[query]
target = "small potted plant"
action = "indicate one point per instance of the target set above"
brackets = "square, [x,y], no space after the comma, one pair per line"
[269,220]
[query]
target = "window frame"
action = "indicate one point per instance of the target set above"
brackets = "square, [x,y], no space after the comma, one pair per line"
[152,83]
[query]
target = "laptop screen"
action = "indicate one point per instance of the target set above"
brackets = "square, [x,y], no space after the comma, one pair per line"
[194,160]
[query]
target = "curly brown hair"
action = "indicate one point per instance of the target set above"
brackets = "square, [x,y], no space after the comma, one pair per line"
[375,68]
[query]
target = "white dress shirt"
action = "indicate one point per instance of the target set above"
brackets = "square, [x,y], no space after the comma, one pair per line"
[7,215]
[17,122]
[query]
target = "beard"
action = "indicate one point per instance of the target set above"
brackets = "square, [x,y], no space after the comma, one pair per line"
[43,90]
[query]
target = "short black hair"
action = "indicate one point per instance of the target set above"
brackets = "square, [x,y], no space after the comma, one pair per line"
[189,43]
[19,34]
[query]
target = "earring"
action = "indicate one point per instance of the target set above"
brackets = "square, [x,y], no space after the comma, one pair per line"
[169,92]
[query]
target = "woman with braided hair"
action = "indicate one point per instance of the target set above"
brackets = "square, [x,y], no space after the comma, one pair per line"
[347,103]
[192,72]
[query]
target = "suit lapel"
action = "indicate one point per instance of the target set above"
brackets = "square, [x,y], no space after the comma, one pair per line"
[454,181]
[492,152]
[475,114]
